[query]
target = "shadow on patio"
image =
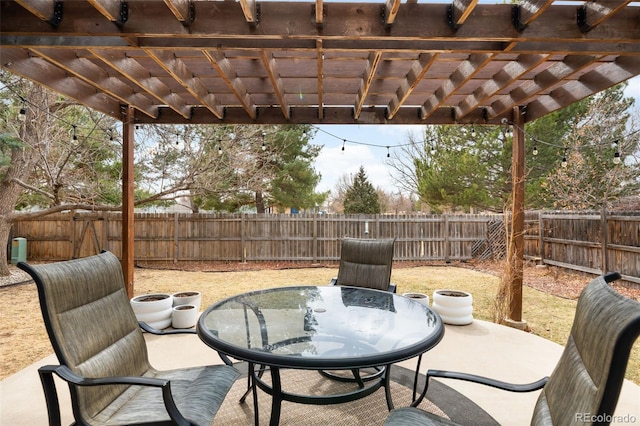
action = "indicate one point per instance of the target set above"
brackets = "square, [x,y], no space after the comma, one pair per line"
[482,348]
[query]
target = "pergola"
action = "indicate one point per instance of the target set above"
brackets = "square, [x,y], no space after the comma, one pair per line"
[288,62]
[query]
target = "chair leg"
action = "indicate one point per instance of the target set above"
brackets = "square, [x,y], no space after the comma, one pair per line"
[50,394]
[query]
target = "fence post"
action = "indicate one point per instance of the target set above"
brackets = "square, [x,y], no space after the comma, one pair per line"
[446,238]
[176,237]
[243,250]
[541,237]
[314,236]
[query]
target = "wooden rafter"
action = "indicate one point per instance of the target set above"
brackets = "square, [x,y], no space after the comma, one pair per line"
[43,9]
[250,11]
[543,81]
[183,10]
[461,75]
[132,70]
[503,78]
[594,13]
[320,73]
[600,78]
[274,76]
[319,13]
[367,79]
[95,76]
[172,68]
[226,70]
[181,73]
[110,9]
[391,8]
[21,63]
[409,83]
[526,11]
[459,11]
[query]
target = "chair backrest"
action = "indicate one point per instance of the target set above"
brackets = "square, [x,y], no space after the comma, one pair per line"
[91,325]
[366,262]
[585,385]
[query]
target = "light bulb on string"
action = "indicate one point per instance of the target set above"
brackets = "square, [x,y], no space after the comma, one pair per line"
[219,150]
[344,141]
[264,146]
[535,150]
[616,155]
[388,153]
[74,137]
[564,159]
[22,115]
[473,131]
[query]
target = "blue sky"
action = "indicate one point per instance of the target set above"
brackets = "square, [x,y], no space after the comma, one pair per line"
[332,162]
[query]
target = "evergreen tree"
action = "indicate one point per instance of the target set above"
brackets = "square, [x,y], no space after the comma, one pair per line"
[361,197]
[593,175]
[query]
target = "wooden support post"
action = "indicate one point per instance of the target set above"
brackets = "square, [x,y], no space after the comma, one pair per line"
[604,239]
[127,199]
[517,218]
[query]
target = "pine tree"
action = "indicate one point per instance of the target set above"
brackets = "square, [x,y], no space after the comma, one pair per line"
[361,197]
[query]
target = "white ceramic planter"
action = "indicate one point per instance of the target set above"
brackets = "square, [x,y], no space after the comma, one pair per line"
[184,316]
[187,298]
[454,307]
[154,309]
[418,297]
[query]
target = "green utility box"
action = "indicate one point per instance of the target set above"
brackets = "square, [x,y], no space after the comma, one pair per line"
[18,250]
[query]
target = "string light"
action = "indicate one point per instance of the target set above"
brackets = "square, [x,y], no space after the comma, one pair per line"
[264,146]
[473,131]
[564,159]
[616,155]
[22,114]
[74,138]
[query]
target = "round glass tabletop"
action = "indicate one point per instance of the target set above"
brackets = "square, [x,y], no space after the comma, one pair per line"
[324,327]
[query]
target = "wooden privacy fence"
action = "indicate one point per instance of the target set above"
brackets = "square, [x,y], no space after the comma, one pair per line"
[593,242]
[571,241]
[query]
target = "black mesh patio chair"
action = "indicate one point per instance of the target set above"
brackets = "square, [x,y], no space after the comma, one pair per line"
[366,263]
[585,385]
[103,355]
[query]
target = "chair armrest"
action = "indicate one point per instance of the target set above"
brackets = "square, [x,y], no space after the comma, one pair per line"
[334,281]
[511,387]
[46,376]
[392,288]
[146,327]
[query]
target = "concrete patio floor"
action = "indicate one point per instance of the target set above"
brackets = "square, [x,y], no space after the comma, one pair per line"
[481,348]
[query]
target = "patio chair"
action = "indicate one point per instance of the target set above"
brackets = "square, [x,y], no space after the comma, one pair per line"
[366,263]
[585,385]
[103,355]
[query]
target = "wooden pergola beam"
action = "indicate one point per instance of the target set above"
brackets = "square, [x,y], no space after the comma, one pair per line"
[128,188]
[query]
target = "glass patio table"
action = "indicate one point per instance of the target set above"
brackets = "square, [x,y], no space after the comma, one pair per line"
[320,328]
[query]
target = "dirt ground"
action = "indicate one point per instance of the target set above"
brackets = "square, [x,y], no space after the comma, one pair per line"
[23,338]
[552,280]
